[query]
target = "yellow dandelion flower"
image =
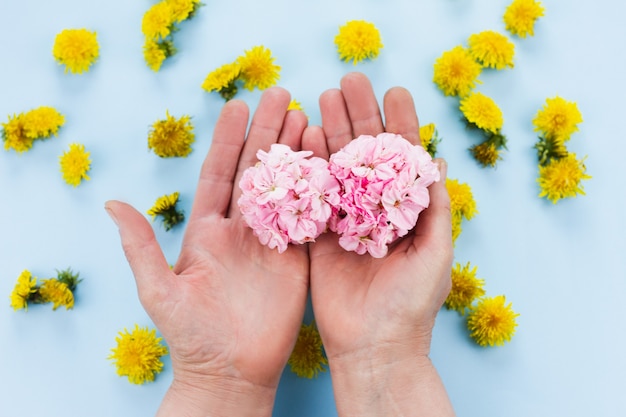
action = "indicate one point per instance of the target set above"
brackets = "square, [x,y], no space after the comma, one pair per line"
[492,49]
[294,105]
[562,178]
[462,205]
[491,322]
[138,354]
[427,132]
[171,137]
[358,40]
[466,288]
[24,290]
[158,21]
[183,9]
[457,226]
[307,358]
[558,118]
[222,80]
[461,198]
[482,112]
[13,135]
[155,52]
[75,164]
[165,206]
[456,72]
[258,68]
[77,49]
[520,16]
[486,153]
[42,122]
[56,292]
[429,138]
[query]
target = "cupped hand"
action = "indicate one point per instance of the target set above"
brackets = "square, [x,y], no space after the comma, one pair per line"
[230,309]
[368,306]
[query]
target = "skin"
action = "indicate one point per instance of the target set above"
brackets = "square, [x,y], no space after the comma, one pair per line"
[230,313]
[376,316]
[230,309]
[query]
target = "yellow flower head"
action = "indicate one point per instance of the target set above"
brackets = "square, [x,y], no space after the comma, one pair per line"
[466,288]
[77,49]
[520,17]
[56,292]
[562,178]
[558,119]
[486,153]
[138,354]
[461,198]
[258,68]
[307,358]
[294,105]
[491,322]
[429,138]
[457,226]
[24,289]
[183,9]
[482,111]
[358,40]
[158,21]
[13,135]
[462,204]
[171,137]
[42,122]
[154,53]
[75,164]
[165,206]
[492,49]
[222,80]
[456,72]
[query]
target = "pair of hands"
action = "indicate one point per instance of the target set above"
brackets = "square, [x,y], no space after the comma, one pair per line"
[230,309]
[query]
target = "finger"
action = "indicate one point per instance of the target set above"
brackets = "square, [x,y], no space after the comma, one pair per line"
[265,129]
[361,104]
[400,115]
[313,139]
[293,127]
[142,251]
[215,186]
[434,226]
[266,124]
[335,120]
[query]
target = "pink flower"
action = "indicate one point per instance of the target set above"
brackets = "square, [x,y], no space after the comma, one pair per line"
[384,182]
[287,197]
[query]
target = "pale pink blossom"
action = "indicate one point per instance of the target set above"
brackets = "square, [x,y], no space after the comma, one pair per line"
[384,182]
[287,197]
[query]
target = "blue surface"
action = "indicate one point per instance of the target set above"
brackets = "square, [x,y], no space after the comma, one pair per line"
[562,266]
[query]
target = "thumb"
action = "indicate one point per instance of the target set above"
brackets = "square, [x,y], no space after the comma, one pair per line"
[434,227]
[142,250]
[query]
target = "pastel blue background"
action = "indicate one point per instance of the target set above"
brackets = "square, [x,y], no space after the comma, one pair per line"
[561,266]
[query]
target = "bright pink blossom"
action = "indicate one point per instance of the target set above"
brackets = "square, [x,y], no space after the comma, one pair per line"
[384,182]
[287,196]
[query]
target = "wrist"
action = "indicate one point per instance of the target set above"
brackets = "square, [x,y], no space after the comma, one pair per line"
[217,397]
[377,382]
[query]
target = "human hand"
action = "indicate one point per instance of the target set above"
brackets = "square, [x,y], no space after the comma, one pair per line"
[230,309]
[375,315]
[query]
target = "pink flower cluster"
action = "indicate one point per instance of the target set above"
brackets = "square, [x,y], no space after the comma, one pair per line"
[370,193]
[287,196]
[384,182]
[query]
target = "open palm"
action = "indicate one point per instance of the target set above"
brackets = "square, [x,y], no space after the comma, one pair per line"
[363,303]
[230,308]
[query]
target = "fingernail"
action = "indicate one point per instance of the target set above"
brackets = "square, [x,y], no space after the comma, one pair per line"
[111,213]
